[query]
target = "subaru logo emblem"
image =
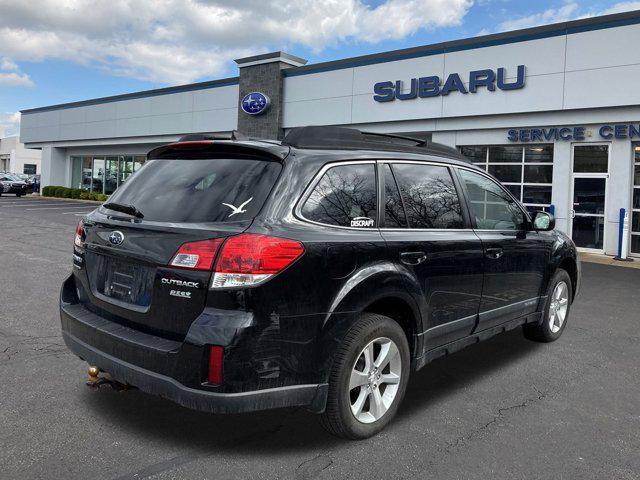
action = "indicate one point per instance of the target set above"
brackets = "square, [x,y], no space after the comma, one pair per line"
[116,238]
[255,103]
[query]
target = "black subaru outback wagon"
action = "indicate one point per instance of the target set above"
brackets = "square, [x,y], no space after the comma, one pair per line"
[237,275]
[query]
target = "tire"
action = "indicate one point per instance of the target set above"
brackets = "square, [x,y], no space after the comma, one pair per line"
[551,327]
[371,336]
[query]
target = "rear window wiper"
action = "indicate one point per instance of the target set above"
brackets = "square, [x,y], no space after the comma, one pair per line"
[124,208]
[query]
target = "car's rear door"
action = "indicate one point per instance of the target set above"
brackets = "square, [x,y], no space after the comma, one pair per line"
[428,232]
[152,271]
[515,257]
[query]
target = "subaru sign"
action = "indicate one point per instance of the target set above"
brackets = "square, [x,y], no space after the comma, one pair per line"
[255,103]
[425,87]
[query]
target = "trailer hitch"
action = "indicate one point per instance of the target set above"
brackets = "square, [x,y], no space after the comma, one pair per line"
[95,381]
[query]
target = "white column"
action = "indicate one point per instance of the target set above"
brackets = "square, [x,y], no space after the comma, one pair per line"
[618,191]
[560,195]
[54,167]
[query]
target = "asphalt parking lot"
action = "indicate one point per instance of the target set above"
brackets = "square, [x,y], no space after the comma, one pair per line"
[503,409]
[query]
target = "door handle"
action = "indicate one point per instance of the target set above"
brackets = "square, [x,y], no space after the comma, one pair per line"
[413,258]
[493,253]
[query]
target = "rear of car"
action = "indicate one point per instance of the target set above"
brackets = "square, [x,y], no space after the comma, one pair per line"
[153,298]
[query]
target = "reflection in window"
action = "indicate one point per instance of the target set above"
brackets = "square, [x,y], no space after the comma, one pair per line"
[103,174]
[526,171]
[394,214]
[492,207]
[429,196]
[344,196]
[591,158]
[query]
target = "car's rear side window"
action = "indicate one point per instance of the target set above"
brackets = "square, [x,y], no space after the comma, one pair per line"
[345,196]
[207,190]
[429,196]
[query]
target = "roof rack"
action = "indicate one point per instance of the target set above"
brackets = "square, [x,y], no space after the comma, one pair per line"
[321,137]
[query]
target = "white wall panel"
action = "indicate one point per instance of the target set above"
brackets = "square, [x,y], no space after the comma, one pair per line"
[366,110]
[219,120]
[604,87]
[337,83]
[216,98]
[603,48]
[540,56]
[326,111]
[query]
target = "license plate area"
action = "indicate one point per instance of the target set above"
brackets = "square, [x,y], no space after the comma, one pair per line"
[119,280]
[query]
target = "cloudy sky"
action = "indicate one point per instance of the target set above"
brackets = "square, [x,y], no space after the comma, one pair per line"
[55,51]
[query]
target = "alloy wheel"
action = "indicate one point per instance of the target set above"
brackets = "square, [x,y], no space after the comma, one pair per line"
[558,307]
[375,380]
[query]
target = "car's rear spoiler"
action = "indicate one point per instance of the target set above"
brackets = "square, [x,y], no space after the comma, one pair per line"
[199,146]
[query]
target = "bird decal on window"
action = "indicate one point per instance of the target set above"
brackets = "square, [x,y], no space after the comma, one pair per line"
[237,209]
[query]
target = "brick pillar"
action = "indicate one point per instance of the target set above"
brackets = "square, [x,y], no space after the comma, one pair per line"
[262,73]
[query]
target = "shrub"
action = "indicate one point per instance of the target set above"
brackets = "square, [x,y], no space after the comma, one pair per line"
[102,197]
[84,195]
[48,191]
[75,193]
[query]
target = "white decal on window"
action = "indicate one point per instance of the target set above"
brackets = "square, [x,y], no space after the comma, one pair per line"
[237,209]
[362,222]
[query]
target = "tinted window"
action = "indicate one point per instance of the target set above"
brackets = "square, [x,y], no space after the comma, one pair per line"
[344,196]
[590,158]
[490,204]
[429,196]
[394,216]
[220,190]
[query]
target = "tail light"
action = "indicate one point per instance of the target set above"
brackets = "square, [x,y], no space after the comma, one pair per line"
[250,259]
[244,260]
[216,359]
[197,255]
[79,237]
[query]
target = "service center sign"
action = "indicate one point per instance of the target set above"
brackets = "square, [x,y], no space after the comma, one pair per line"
[425,87]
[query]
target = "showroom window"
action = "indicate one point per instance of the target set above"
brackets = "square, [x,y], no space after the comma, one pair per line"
[103,173]
[525,170]
[29,169]
[635,210]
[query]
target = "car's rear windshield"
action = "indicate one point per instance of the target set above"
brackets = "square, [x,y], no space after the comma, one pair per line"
[214,190]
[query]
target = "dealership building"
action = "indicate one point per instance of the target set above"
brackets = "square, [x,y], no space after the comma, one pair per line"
[552,111]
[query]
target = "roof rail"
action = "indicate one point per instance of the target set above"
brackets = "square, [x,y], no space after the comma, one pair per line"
[199,137]
[321,137]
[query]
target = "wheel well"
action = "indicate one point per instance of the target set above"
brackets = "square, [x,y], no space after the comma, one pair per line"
[569,266]
[398,310]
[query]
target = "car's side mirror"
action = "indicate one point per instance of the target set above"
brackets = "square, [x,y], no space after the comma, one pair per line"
[543,221]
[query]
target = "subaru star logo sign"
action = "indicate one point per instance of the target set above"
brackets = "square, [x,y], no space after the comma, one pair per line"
[116,238]
[255,103]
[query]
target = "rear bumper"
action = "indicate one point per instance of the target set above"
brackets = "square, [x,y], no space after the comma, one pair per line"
[164,386]
[168,368]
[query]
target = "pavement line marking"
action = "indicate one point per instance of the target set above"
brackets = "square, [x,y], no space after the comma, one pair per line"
[73,213]
[60,206]
[3,204]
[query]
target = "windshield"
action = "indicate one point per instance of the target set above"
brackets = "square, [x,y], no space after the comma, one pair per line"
[215,190]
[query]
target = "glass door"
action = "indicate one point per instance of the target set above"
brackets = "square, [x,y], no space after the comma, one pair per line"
[111,175]
[588,222]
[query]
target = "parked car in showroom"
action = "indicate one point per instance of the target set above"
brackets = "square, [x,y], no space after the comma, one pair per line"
[232,275]
[12,184]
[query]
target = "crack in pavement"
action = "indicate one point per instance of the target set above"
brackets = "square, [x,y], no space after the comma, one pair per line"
[312,467]
[42,345]
[463,439]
